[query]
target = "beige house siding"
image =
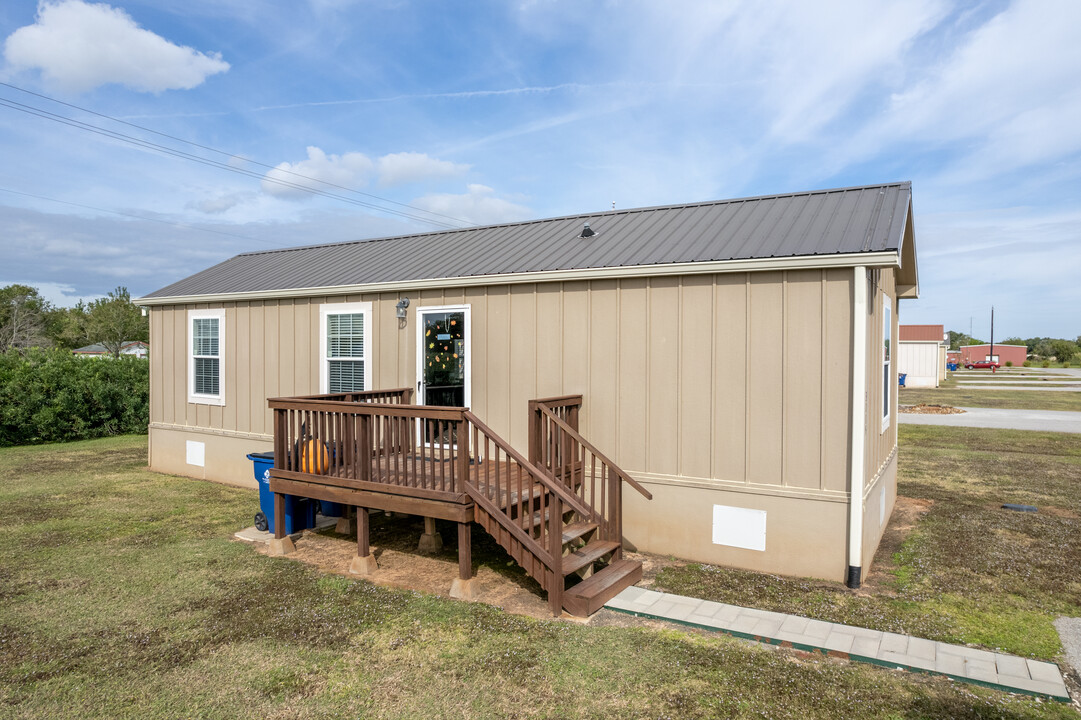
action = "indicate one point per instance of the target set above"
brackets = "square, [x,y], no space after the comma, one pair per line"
[729,389]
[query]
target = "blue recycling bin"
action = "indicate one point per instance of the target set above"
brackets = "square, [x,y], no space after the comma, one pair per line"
[331,509]
[951,366]
[299,512]
[901,379]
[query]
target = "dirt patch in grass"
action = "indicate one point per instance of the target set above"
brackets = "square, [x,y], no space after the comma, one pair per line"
[498,580]
[925,409]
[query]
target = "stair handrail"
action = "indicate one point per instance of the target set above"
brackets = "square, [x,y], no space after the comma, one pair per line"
[591,448]
[540,477]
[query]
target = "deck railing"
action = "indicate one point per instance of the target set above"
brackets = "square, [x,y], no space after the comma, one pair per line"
[370,443]
[557,448]
[377,442]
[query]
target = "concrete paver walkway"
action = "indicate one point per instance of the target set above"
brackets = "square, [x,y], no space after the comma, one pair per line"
[971,665]
[1045,420]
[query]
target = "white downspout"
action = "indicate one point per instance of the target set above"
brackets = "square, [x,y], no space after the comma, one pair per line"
[859,426]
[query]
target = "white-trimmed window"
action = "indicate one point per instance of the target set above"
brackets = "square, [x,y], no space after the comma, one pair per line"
[888,380]
[345,347]
[206,356]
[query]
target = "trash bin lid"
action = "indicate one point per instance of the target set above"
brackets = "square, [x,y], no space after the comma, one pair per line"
[261,456]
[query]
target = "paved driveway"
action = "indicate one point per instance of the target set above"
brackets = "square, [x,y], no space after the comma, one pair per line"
[1046,420]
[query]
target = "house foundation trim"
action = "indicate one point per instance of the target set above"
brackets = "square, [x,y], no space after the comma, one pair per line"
[739,487]
[211,431]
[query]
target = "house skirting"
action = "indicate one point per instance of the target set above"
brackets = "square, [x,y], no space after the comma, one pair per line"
[207,454]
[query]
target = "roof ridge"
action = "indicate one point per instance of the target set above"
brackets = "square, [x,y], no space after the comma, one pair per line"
[578,216]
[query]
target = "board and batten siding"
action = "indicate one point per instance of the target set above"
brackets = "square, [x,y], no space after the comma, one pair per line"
[740,377]
[736,384]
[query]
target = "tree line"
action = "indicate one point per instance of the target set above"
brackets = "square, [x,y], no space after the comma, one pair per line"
[27,320]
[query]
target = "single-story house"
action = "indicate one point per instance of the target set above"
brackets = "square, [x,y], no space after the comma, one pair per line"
[921,355]
[1015,355]
[136,348]
[733,357]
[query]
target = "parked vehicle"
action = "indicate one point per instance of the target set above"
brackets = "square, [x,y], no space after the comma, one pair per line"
[982,365]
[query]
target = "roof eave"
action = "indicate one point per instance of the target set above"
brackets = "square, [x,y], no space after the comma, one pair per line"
[887,258]
[908,277]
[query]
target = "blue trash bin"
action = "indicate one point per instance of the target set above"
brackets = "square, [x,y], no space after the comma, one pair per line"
[331,509]
[901,379]
[299,512]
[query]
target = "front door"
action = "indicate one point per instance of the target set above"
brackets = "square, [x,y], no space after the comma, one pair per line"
[443,359]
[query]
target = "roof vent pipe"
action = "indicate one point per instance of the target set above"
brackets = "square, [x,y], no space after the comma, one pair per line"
[587,231]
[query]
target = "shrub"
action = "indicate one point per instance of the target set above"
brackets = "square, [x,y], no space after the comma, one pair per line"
[1009,363]
[53,396]
[1027,363]
[1045,364]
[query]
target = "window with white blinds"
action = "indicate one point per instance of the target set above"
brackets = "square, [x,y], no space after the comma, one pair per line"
[206,330]
[345,345]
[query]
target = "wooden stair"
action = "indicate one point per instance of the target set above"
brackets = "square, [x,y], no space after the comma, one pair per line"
[604,573]
[575,554]
[590,595]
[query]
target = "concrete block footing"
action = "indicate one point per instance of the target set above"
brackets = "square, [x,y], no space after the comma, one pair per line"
[281,546]
[346,526]
[430,543]
[363,565]
[464,589]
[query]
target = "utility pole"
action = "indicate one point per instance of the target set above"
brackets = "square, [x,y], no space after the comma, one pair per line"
[993,367]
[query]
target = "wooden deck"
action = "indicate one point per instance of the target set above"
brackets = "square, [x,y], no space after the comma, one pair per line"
[558,513]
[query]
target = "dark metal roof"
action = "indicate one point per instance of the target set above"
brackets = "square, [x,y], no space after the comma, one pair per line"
[824,222]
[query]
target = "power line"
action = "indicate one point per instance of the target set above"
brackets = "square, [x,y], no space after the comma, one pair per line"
[165,150]
[31,110]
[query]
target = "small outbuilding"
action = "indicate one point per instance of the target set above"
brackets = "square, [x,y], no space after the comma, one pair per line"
[921,355]
[731,359]
[134,348]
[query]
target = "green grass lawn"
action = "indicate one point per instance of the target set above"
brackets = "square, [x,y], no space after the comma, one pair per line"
[991,397]
[123,596]
[969,571]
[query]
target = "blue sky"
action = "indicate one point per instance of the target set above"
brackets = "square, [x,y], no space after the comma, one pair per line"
[500,111]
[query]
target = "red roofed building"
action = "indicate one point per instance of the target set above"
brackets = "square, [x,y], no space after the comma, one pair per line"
[921,354]
[1013,354]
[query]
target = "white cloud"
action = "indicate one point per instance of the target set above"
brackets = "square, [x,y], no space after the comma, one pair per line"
[812,60]
[59,294]
[478,206]
[79,46]
[1009,95]
[221,203]
[972,260]
[407,167]
[348,170]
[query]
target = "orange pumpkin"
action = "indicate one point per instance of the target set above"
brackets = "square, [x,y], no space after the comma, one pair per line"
[314,458]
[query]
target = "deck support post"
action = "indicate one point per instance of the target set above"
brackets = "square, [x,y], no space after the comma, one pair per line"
[555,549]
[281,544]
[364,563]
[347,523]
[430,541]
[463,586]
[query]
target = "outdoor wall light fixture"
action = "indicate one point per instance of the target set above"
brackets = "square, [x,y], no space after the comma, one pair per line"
[399,309]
